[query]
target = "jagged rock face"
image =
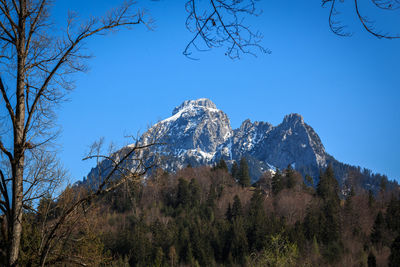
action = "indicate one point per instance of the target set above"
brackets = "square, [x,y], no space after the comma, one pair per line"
[249,136]
[291,143]
[195,129]
[198,133]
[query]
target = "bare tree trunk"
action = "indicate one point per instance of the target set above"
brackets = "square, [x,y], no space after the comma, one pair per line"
[38,64]
[19,142]
[16,227]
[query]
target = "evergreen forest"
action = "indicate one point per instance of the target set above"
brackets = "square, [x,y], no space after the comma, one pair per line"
[212,216]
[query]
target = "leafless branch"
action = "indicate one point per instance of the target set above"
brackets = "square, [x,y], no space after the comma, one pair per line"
[4,193]
[369,25]
[220,23]
[387,4]
[38,59]
[7,101]
[106,185]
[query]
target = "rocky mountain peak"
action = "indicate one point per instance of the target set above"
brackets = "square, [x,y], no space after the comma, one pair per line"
[246,125]
[293,118]
[194,131]
[198,133]
[199,103]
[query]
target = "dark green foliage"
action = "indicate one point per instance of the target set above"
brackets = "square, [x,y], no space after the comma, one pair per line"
[212,196]
[277,182]
[185,247]
[371,259]
[120,200]
[330,222]
[349,201]
[174,221]
[235,170]
[333,251]
[30,242]
[194,190]
[183,194]
[393,215]
[243,174]
[328,187]
[309,180]
[159,256]
[324,223]
[221,165]
[297,234]
[378,230]
[328,190]
[371,198]
[228,214]
[258,225]
[236,208]
[394,259]
[235,211]
[311,223]
[290,177]
[131,242]
[237,241]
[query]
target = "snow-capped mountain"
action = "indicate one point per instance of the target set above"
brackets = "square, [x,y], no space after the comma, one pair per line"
[195,130]
[198,133]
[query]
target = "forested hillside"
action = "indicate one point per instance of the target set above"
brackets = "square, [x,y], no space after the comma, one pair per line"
[207,216]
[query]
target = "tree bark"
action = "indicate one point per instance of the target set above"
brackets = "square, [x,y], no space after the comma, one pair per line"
[19,142]
[35,63]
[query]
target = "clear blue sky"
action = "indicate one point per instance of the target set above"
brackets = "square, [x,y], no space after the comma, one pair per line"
[347,89]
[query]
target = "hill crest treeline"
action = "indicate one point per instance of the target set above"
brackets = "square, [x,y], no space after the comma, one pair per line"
[209,216]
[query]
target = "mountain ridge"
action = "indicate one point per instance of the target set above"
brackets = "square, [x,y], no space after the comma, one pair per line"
[198,133]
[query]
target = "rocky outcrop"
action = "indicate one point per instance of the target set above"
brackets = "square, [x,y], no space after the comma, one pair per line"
[198,133]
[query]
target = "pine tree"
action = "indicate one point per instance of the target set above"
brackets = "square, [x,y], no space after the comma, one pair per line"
[311,223]
[371,198]
[329,219]
[194,190]
[394,258]
[183,194]
[239,245]
[221,165]
[290,177]
[244,176]
[378,229]
[393,215]
[236,208]
[228,214]
[256,219]
[277,182]
[330,222]
[349,201]
[328,187]
[235,171]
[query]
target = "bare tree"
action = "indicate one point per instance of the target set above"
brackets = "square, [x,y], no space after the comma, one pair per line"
[35,66]
[74,202]
[338,28]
